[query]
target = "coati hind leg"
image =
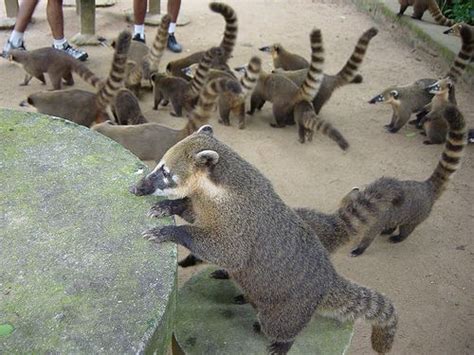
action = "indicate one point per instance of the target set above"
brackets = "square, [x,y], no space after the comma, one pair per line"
[256,103]
[27,80]
[281,116]
[402,10]
[68,79]
[56,79]
[241,115]
[418,10]
[405,231]
[177,107]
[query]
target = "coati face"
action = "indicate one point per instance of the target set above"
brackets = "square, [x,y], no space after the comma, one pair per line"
[274,49]
[440,87]
[388,96]
[184,170]
[454,30]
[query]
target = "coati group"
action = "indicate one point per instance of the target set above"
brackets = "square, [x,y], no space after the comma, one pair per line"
[211,187]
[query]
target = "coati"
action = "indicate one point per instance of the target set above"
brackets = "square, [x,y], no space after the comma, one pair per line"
[126,108]
[419,8]
[412,98]
[57,64]
[413,200]
[347,75]
[84,107]
[455,30]
[283,93]
[150,141]
[176,67]
[284,59]
[286,288]
[182,93]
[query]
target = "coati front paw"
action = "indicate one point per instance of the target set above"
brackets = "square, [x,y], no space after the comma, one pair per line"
[396,239]
[240,299]
[393,129]
[220,275]
[257,328]
[161,209]
[279,347]
[158,234]
[190,260]
[428,142]
[357,251]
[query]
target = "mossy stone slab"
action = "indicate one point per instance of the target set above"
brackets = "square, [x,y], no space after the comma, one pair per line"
[75,274]
[208,323]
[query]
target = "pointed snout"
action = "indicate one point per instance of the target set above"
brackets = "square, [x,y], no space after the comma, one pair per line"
[148,185]
[376,99]
[241,69]
[448,31]
[266,49]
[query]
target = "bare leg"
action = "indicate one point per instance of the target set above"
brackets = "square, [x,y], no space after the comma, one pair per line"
[173,9]
[139,11]
[25,12]
[54,12]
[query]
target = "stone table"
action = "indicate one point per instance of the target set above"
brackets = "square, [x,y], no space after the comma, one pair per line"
[75,274]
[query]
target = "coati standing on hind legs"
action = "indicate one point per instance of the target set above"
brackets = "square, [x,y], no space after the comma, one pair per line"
[286,289]
[419,8]
[84,107]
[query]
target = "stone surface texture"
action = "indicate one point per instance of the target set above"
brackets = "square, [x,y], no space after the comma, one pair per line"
[75,274]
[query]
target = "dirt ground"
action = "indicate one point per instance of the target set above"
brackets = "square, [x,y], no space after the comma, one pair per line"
[430,275]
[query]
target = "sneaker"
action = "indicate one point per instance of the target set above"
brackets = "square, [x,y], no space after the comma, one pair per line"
[138,38]
[173,44]
[73,52]
[9,46]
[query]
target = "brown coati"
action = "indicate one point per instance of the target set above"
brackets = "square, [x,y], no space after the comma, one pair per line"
[283,93]
[286,288]
[455,30]
[126,108]
[57,64]
[84,107]
[415,198]
[347,75]
[176,67]
[284,59]
[412,98]
[150,141]
[181,93]
[419,8]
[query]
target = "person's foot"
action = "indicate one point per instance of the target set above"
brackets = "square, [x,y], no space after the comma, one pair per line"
[173,44]
[73,52]
[137,37]
[9,46]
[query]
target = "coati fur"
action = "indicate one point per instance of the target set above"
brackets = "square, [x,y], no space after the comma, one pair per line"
[181,93]
[283,93]
[176,67]
[284,59]
[347,75]
[84,107]
[412,98]
[150,141]
[419,8]
[57,64]
[126,108]
[286,289]
[455,30]
[413,200]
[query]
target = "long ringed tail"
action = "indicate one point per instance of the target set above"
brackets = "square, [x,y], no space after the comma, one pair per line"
[435,11]
[86,74]
[456,140]
[348,73]
[200,77]
[465,53]
[114,81]
[313,122]
[231,26]
[153,59]
[249,80]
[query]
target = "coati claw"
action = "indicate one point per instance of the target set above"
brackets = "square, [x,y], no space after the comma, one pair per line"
[357,251]
[155,235]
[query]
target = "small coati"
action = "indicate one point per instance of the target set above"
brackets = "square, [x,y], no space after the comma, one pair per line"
[150,141]
[182,93]
[455,30]
[126,109]
[283,93]
[284,59]
[57,64]
[412,200]
[286,288]
[84,107]
[176,67]
[412,98]
[347,75]
[419,8]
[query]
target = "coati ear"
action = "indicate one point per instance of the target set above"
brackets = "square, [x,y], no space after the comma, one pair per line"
[153,76]
[207,158]
[206,129]
[394,94]
[354,193]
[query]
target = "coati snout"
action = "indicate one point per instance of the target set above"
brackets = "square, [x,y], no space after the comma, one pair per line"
[377,99]
[154,183]
[381,97]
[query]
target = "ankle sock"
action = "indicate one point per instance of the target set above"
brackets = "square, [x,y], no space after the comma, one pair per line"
[140,30]
[59,43]
[16,38]
[172,27]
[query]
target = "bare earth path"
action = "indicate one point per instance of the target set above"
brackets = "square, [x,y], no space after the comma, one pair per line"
[430,275]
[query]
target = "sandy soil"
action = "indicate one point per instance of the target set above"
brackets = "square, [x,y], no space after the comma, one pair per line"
[430,275]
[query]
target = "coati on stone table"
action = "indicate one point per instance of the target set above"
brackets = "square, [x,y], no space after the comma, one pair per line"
[57,64]
[84,107]
[150,141]
[286,289]
[419,8]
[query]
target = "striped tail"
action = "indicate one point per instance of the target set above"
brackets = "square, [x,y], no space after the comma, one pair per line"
[207,100]
[231,26]
[450,160]
[348,301]
[348,73]
[153,58]
[435,11]
[311,84]
[86,74]
[465,54]
[116,76]
[200,76]
[249,80]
